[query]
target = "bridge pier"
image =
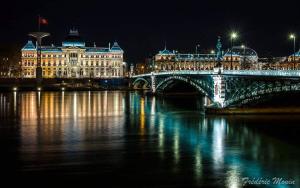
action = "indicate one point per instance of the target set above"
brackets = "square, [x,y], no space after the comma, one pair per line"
[219,90]
[153,84]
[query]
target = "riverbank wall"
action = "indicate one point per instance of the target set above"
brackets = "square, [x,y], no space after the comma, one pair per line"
[73,84]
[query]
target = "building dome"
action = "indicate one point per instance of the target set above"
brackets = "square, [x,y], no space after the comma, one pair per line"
[73,39]
[242,51]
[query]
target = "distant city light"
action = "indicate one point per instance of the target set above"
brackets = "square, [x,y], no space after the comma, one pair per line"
[15,89]
[212,52]
[39,88]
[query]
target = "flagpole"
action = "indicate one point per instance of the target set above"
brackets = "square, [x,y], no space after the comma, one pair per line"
[39,23]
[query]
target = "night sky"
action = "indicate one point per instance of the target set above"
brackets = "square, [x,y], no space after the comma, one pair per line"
[143,27]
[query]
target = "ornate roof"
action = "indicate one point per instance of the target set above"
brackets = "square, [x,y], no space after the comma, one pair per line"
[166,52]
[241,51]
[29,46]
[116,47]
[73,40]
[297,54]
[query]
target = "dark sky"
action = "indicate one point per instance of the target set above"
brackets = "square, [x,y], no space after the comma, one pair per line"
[142,27]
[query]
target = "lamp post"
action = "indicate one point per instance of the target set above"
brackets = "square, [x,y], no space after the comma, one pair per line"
[232,37]
[38,36]
[293,37]
[198,45]
[212,52]
[244,55]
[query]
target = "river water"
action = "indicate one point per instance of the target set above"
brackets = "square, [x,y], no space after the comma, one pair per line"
[127,139]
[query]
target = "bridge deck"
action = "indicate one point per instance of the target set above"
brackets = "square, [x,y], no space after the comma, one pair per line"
[275,73]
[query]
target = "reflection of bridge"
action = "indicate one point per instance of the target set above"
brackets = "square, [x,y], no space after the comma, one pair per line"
[226,89]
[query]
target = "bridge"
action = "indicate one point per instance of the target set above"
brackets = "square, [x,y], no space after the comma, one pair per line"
[224,88]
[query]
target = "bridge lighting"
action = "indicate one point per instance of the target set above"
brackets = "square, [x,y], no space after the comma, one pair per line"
[15,89]
[39,88]
[293,37]
[197,46]
[233,35]
[212,52]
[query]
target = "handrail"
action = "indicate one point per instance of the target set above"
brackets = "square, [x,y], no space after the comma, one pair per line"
[281,73]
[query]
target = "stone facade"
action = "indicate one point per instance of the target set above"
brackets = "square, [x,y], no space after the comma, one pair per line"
[73,60]
[242,58]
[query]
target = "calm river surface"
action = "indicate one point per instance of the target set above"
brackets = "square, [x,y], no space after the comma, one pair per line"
[126,139]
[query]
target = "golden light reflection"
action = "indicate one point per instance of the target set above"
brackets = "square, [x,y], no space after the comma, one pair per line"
[75,106]
[45,114]
[28,105]
[4,106]
[15,102]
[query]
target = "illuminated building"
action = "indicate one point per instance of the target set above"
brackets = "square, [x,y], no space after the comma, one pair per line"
[293,61]
[242,58]
[73,60]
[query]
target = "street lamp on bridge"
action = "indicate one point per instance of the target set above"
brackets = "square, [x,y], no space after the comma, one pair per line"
[244,54]
[293,37]
[233,36]
[197,46]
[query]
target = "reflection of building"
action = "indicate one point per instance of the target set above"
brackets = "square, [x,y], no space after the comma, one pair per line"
[4,67]
[242,58]
[73,60]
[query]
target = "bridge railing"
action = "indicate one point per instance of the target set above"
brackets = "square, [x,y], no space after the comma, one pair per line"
[281,73]
[284,73]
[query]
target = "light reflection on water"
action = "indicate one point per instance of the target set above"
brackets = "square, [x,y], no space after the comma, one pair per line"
[167,138]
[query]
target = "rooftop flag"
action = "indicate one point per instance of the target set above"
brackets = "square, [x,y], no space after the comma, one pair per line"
[43,21]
